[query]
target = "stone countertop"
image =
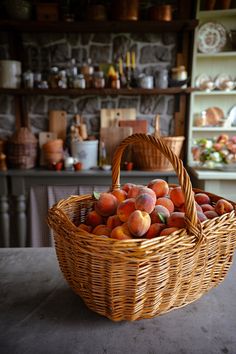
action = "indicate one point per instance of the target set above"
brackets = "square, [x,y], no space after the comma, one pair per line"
[41,314]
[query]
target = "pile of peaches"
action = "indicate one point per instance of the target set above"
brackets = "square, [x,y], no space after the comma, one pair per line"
[150,211]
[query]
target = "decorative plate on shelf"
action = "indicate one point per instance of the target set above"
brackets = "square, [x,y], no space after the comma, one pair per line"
[212,37]
[214,116]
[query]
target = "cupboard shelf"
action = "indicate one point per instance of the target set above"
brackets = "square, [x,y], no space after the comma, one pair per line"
[99,26]
[216,55]
[216,13]
[100,92]
[213,129]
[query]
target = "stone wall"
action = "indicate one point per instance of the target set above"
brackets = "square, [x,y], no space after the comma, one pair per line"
[41,51]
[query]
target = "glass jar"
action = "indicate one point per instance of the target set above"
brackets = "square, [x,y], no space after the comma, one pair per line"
[28,79]
[98,80]
[79,82]
[53,77]
[161,79]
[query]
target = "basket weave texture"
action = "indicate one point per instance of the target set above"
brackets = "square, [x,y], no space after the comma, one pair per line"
[147,158]
[140,278]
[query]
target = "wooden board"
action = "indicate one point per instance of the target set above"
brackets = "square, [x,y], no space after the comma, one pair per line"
[139,126]
[112,137]
[44,137]
[110,117]
[58,123]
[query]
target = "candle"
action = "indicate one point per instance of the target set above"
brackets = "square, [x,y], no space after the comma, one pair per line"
[128,59]
[133,61]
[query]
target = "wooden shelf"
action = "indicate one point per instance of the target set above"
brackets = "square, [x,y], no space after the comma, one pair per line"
[216,55]
[99,26]
[216,13]
[100,92]
[213,93]
[213,129]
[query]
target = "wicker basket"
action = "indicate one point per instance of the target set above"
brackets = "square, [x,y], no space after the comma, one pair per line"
[140,278]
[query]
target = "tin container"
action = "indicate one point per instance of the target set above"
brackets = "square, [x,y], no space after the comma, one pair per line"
[146,81]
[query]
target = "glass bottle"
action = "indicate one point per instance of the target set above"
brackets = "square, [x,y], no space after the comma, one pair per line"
[102,154]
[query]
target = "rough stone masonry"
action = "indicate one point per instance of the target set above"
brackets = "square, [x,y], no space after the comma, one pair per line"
[41,51]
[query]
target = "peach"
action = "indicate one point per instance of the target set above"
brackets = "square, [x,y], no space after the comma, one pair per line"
[176,219]
[211,214]
[93,218]
[120,194]
[102,230]
[106,204]
[125,208]
[160,187]
[159,214]
[113,221]
[154,230]
[177,196]
[121,232]
[147,190]
[201,216]
[87,228]
[127,186]
[168,231]
[145,202]
[223,206]
[133,192]
[202,198]
[139,223]
[207,207]
[167,203]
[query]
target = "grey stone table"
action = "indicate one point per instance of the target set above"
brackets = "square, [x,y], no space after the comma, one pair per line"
[39,313]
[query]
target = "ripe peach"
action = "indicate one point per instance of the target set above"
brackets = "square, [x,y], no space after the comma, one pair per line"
[121,232]
[106,204]
[147,190]
[177,196]
[145,202]
[207,207]
[120,194]
[160,187]
[176,219]
[93,218]
[102,230]
[201,216]
[133,192]
[166,202]
[154,230]
[159,214]
[113,221]
[202,198]
[198,207]
[211,214]
[125,208]
[223,206]
[168,231]
[127,186]
[87,228]
[139,223]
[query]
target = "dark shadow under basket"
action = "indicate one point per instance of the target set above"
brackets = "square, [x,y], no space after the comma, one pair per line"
[147,158]
[142,278]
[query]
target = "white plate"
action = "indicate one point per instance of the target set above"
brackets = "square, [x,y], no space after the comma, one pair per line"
[211,38]
[231,117]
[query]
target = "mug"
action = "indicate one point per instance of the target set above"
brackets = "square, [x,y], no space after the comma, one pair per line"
[10,74]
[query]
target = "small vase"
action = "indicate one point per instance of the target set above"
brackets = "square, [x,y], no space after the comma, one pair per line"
[18,9]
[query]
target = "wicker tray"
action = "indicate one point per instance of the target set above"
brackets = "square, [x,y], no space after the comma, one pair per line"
[140,278]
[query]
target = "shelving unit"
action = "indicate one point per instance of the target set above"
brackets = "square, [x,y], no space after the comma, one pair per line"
[211,64]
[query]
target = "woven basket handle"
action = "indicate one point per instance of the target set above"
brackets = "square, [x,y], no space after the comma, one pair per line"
[192,223]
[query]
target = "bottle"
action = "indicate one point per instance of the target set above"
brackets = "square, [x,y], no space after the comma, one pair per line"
[102,155]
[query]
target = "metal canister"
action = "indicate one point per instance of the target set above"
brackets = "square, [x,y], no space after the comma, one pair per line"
[146,81]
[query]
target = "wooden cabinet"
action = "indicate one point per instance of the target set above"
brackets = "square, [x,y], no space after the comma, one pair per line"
[212,64]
